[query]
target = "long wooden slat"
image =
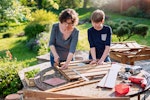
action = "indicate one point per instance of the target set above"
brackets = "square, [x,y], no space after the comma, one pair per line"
[115,56]
[110,98]
[65,85]
[40,95]
[89,75]
[136,45]
[72,86]
[87,70]
[139,57]
[144,52]
[89,66]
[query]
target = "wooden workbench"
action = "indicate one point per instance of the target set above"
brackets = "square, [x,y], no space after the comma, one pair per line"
[90,89]
[79,88]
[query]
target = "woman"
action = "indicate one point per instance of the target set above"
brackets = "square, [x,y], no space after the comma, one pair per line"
[64,38]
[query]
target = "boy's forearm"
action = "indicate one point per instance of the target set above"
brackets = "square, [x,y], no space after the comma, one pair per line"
[106,52]
[93,53]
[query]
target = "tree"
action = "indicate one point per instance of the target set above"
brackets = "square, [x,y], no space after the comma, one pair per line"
[16,12]
[39,2]
[85,2]
[48,4]
[126,29]
[69,4]
[4,4]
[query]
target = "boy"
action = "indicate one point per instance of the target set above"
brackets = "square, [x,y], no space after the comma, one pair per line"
[99,37]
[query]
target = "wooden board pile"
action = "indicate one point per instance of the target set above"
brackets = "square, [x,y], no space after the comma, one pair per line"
[129,52]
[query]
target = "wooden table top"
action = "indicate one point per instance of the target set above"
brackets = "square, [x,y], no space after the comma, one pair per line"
[91,90]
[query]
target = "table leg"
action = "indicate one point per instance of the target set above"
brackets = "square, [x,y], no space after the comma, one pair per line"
[139,97]
[132,63]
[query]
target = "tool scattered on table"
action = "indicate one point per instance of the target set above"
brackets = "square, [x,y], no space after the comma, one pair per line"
[138,80]
[83,77]
[122,88]
[133,69]
[130,78]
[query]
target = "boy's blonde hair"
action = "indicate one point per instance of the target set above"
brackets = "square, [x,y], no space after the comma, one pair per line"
[98,16]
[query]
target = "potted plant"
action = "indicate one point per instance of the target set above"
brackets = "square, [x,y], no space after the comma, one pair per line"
[29,77]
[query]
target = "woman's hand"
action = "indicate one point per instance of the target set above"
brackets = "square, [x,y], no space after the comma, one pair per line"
[64,66]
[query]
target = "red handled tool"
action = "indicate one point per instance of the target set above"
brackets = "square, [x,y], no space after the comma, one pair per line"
[138,80]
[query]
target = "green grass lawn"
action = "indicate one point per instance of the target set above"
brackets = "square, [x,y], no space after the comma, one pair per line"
[17,47]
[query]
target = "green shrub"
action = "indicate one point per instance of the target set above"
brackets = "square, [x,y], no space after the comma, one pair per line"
[33,45]
[33,29]
[43,43]
[43,17]
[9,79]
[32,73]
[40,43]
[141,29]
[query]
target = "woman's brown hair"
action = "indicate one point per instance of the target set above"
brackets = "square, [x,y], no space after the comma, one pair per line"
[69,14]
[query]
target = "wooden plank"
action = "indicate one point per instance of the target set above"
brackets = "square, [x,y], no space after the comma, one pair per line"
[119,46]
[72,86]
[110,78]
[136,45]
[130,45]
[65,85]
[79,61]
[115,56]
[89,66]
[40,95]
[88,70]
[144,52]
[110,98]
[88,75]
[139,57]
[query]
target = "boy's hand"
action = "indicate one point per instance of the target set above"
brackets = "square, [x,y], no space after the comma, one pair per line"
[93,62]
[100,62]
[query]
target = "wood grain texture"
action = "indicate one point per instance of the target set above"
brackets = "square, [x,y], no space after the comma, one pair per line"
[85,70]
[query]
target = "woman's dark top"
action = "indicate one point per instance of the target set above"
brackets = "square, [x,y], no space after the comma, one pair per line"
[63,47]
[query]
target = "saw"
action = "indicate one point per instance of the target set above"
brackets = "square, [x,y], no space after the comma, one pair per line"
[78,73]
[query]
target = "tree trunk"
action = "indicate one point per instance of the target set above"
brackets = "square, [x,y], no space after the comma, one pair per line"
[39,4]
[85,3]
